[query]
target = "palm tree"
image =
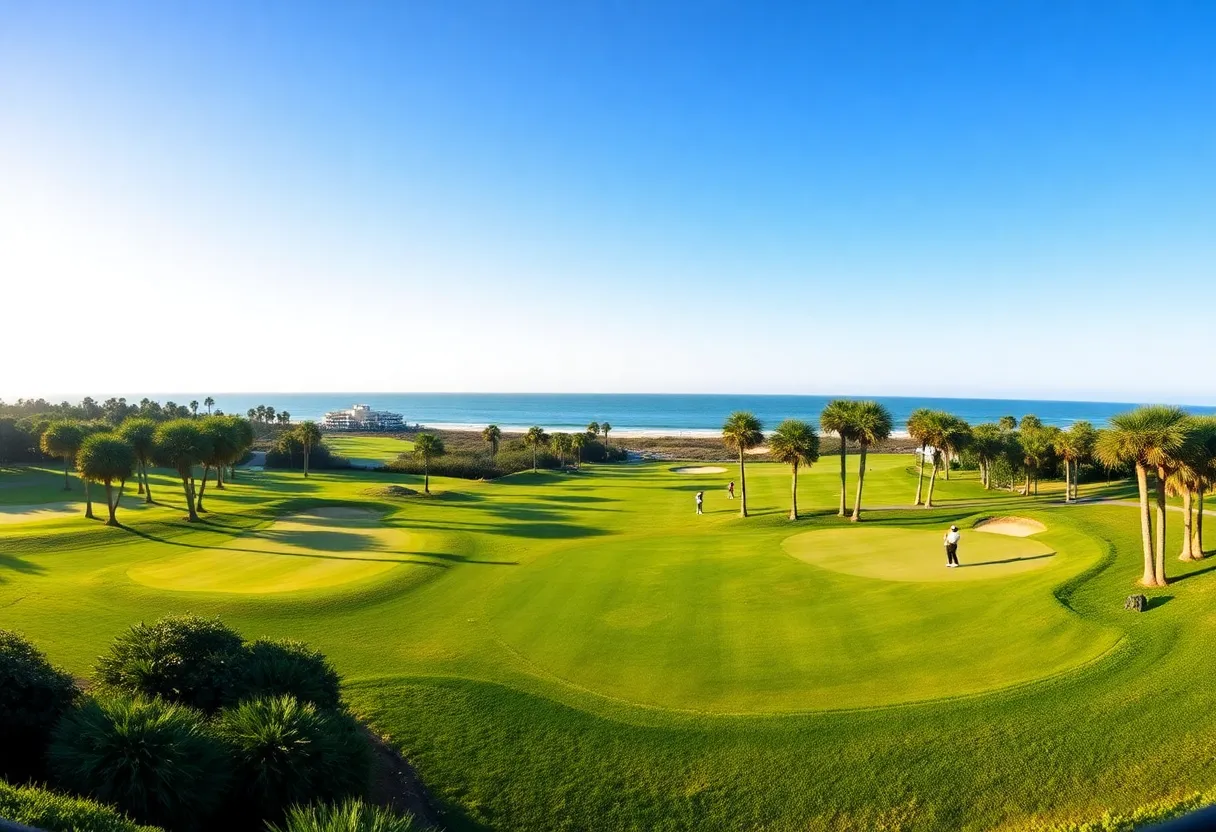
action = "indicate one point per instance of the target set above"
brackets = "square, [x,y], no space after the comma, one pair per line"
[837,418]
[181,444]
[1008,423]
[593,428]
[141,433]
[1074,446]
[1037,446]
[741,431]
[427,446]
[535,438]
[579,441]
[560,443]
[62,439]
[223,446]
[309,435]
[918,425]
[194,408]
[493,435]
[956,438]
[937,430]
[987,442]
[105,457]
[209,403]
[872,425]
[795,443]
[1145,437]
[1204,436]
[252,413]
[270,414]
[604,428]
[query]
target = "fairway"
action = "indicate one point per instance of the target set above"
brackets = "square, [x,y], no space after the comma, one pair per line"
[320,548]
[368,451]
[894,554]
[581,650]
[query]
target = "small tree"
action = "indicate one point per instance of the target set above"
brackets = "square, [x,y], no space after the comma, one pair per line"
[593,428]
[221,445]
[918,430]
[535,439]
[795,443]
[837,418]
[741,432]
[242,429]
[578,441]
[105,457]
[181,444]
[309,435]
[209,403]
[62,439]
[560,443]
[604,428]
[426,447]
[141,433]
[492,434]
[33,697]
[194,408]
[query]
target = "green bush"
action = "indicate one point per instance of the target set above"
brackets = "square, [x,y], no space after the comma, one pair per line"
[348,816]
[33,696]
[185,659]
[157,761]
[290,668]
[54,812]
[288,752]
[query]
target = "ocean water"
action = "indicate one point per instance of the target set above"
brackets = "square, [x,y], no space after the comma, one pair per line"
[636,414]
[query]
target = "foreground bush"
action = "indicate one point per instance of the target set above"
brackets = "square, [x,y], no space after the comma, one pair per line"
[290,668]
[33,696]
[185,659]
[54,812]
[349,816]
[155,760]
[288,752]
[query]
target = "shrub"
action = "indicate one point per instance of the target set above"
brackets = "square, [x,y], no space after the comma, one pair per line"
[54,812]
[348,816]
[186,659]
[155,760]
[288,752]
[33,696]
[281,668]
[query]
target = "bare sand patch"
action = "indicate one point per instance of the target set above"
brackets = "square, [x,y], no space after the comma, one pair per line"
[757,451]
[1011,526]
[45,511]
[699,469]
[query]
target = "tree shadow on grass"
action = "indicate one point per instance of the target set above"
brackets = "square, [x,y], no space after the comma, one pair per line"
[1188,575]
[1159,601]
[1007,560]
[16,564]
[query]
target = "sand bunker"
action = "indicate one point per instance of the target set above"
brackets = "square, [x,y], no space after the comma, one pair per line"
[46,511]
[699,469]
[1011,526]
[315,549]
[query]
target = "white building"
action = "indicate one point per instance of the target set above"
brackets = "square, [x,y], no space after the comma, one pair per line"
[362,417]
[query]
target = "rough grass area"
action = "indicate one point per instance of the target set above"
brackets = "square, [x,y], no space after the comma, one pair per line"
[580,650]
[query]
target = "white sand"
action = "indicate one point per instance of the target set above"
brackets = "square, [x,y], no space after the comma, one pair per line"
[1012,526]
[46,511]
[699,469]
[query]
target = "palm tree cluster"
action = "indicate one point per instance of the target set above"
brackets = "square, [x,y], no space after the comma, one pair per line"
[864,422]
[266,415]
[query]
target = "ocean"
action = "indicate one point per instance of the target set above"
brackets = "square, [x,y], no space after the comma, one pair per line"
[635,414]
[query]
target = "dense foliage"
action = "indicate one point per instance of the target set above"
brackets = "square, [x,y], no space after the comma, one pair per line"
[288,452]
[285,667]
[158,761]
[512,456]
[33,696]
[55,812]
[184,659]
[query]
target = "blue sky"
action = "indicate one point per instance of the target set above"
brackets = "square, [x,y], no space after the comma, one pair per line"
[1005,199]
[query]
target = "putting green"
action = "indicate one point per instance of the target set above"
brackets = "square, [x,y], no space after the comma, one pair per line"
[321,548]
[893,554]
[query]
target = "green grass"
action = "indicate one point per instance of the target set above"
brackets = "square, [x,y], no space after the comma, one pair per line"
[581,651]
[369,448]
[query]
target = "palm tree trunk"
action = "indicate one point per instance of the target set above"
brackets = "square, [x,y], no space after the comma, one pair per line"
[110,504]
[203,489]
[426,476]
[305,462]
[188,487]
[1146,527]
[742,485]
[1161,580]
[1197,546]
[932,482]
[67,485]
[219,476]
[920,477]
[88,501]
[947,464]
[1027,482]
[1067,482]
[1187,525]
[844,479]
[533,459]
[139,478]
[147,485]
[861,478]
[794,494]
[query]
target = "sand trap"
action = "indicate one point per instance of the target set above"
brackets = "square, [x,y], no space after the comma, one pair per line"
[763,449]
[338,513]
[1011,526]
[699,469]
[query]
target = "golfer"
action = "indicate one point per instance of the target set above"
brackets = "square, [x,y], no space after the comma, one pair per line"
[952,539]
[730,490]
[700,500]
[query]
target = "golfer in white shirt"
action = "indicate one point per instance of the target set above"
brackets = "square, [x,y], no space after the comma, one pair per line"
[952,539]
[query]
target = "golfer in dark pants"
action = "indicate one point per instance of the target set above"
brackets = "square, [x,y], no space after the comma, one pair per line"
[952,539]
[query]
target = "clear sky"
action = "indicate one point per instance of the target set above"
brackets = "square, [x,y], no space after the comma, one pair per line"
[966,198]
